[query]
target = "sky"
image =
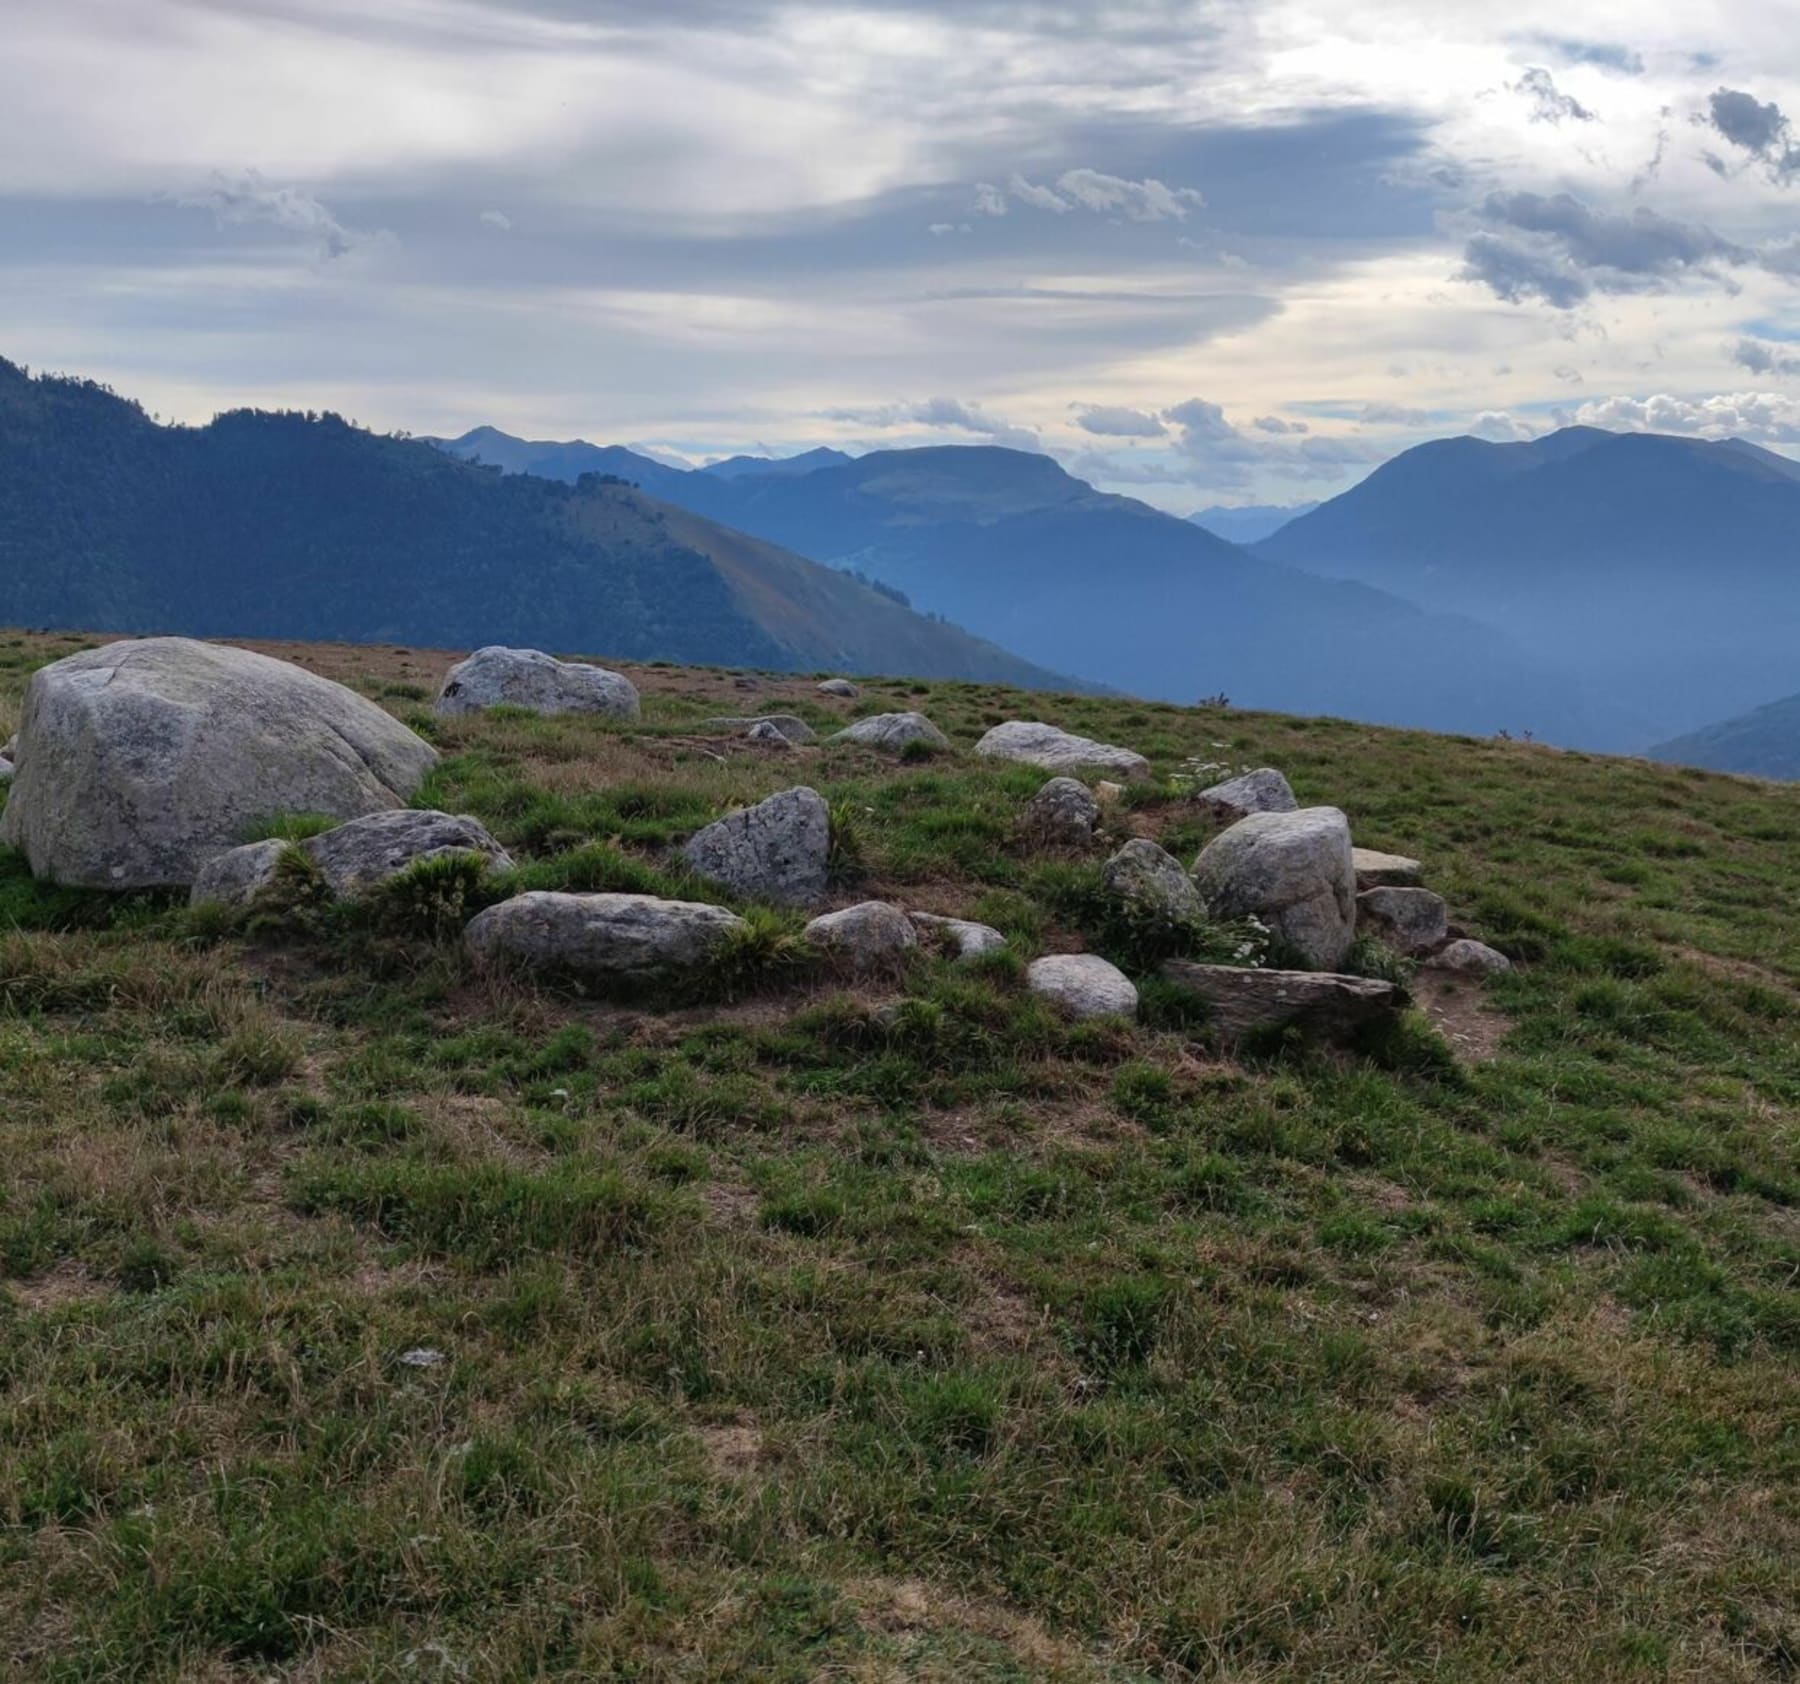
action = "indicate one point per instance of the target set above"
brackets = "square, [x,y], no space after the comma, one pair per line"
[1201,251]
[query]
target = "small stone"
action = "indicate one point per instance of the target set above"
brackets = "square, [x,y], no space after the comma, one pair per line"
[1063,811]
[872,933]
[1471,958]
[1108,793]
[782,724]
[6,770]
[769,735]
[893,732]
[1084,985]
[238,876]
[1033,743]
[1262,791]
[1151,881]
[423,1357]
[972,940]
[841,687]
[1376,870]
[1410,921]
[528,678]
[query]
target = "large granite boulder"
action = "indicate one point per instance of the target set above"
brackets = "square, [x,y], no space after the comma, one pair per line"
[601,936]
[1410,921]
[971,940]
[778,850]
[864,936]
[785,725]
[528,678]
[1063,811]
[1262,791]
[1376,870]
[1032,743]
[142,760]
[1153,886]
[1084,985]
[1320,1003]
[1291,870]
[893,732]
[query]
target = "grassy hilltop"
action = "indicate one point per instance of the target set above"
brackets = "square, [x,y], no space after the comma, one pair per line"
[898,1330]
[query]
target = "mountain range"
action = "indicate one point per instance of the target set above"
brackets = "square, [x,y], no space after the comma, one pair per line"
[1249,522]
[1764,743]
[288,525]
[1008,544]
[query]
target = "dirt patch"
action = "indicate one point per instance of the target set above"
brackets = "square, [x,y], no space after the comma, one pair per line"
[1461,1012]
[728,1203]
[734,1449]
[66,1284]
[917,1605]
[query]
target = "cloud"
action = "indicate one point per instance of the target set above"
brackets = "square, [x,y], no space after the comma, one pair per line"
[1496,426]
[1761,358]
[989,200]
[1762,130]
[1761,417]
[1148,200]
[497,219]
[1549,104]
[247,199]
[938,230]
[947,414]
[1279,425]
[1514,273]
[1117,422]
[1393,415]
[1600,55]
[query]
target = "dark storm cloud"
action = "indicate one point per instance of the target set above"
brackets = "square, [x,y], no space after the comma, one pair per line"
[1759,128]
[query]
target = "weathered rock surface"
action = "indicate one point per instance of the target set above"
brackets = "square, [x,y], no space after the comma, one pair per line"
[971,939]
[1471,958]
[237,876]
[366,852]
[603,936]
[142,760]
[1108,793]
[528,678]
[1262,791]
[1065,811]
[1376,870]
[784,725]
[1321,1003]
[1033,743]
[1151,882]
[872,933]
[1410,921]
[1084,985]
[840,687]
[6,770]
[768,735]
[893,732]
[778,850]
[1291,870]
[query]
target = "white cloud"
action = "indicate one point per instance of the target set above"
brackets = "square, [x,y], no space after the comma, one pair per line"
[1118,421]
[246,199]
[1761,417]
[941,414]
[989,200]
[497,219]
[1148,200]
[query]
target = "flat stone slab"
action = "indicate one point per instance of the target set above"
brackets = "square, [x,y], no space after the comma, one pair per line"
[1033,743]
[1323,1003]
[1376,870]
[602,936]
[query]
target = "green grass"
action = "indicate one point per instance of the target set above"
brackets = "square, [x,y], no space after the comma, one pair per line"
[903,1330]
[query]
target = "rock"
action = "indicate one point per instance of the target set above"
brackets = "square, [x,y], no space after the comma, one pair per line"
[873,933]
[840,687]
[6,770]
[1291,870]
[1035,744]
[1471,958]
[9,750]
[1063,811]
[1262,791]
[1108,793]
[1152,883]
[778,850]
[528,678]
[237,876]
[602,936]
[767,734]
[1410,921]
[893,732]
[784,725]
[972,940]
[1322,1003]
[1084,985]
[357,856]
[143,760]
[1376,870]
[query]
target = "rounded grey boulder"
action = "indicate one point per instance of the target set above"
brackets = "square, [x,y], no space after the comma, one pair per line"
[1064,810]
[359,855]
[1262,791]
[784,725]
[869,934]
[1084,985]
[1410,921]
[841,687]
[142,760]
[778,850]
[1294,872]
[1471,958]
[604,936]
[893,732]
[528,678]
[239,875]
[1032,743]
[1152,883]
[971,939]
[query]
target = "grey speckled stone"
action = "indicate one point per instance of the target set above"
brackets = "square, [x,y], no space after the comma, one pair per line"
[871,933]
[6,770]
[1410,921]
[142,760]
[1262,791]
[1084,985]
[1065,811]
[528,678]
[1322,1003]
[1152,882]
[783,724]
[1291,870]
[893,732]
[1033,743]
[779,850]
[604,936]
[972,940]
[1376,870]
[359,855]
[237,876]
[1471,958]
[840,687]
